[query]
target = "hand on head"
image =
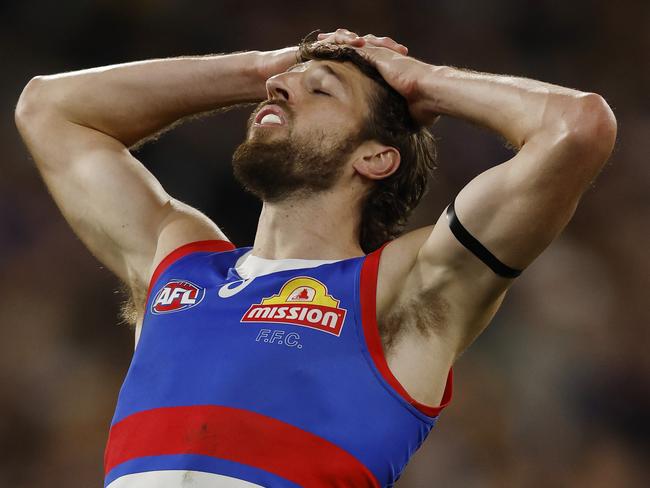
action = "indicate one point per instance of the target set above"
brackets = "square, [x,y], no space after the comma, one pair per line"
[344,36]
[394,65]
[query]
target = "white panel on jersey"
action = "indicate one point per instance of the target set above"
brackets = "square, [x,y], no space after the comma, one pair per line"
[179,479]
[249,266]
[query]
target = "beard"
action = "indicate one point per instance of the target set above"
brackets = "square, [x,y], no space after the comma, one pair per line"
[292,166]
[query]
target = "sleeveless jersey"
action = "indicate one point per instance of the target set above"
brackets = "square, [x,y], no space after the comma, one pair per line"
[274,380]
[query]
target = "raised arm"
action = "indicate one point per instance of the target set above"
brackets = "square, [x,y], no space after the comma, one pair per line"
[563,138]
[515,209]
[78,127]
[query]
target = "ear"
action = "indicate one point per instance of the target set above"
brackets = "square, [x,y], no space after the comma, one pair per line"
[377,161]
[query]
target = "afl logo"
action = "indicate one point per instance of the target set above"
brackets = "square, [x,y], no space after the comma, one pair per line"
[177,295]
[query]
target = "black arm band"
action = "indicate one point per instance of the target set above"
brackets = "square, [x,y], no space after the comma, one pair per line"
[476,248]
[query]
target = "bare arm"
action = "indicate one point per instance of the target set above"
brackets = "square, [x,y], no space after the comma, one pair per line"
[515,209]
[78,126]
[563,138]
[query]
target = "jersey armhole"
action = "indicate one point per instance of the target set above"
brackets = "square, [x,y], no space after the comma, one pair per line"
[368,298]
[212,245]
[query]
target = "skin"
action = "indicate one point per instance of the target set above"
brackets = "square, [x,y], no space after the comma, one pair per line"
[434,297]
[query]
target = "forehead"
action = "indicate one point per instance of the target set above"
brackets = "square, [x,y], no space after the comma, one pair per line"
[346,72]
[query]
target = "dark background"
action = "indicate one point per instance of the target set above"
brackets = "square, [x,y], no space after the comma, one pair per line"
[555,393]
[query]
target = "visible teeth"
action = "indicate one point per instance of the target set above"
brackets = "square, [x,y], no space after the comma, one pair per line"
[271,119]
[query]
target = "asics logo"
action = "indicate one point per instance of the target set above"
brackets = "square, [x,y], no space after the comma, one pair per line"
[231,289]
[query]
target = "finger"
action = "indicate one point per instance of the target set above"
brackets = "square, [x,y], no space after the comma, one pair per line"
[346,32]
[386,42]
[338,38]
[401,48]
[339,33]
[355,41]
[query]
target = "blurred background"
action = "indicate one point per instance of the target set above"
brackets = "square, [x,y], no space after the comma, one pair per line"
[555,393]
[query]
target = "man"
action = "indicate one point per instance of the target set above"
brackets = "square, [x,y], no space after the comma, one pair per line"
[302,361]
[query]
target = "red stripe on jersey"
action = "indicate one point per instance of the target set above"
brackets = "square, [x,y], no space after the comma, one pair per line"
[212,245]
[368,296]
[237,435]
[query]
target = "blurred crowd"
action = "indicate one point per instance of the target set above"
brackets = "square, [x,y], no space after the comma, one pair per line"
[556,393]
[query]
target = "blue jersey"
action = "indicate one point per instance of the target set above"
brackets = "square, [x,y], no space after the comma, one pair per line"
[268,376]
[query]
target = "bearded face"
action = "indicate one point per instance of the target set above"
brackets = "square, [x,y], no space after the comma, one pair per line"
[278,162]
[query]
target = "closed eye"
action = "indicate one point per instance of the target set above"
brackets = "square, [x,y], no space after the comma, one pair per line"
[321,92]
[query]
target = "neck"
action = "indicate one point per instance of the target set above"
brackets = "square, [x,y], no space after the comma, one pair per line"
[320,226]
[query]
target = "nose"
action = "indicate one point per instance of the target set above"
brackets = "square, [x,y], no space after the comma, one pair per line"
[278,88]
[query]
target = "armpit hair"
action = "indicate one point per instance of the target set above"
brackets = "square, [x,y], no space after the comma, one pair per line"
[130,304]
[413,315]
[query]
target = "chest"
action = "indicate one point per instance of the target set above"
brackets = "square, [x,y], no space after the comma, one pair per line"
[277,308]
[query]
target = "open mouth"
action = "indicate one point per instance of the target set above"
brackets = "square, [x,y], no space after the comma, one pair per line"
[271,115]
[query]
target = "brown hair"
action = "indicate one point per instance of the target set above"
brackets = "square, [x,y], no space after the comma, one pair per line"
[391,200]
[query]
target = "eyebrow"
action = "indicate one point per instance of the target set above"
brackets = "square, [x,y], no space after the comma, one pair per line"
[336,75]
[329,71]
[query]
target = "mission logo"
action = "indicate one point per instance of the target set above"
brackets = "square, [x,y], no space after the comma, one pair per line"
[301,301]
[177,295]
